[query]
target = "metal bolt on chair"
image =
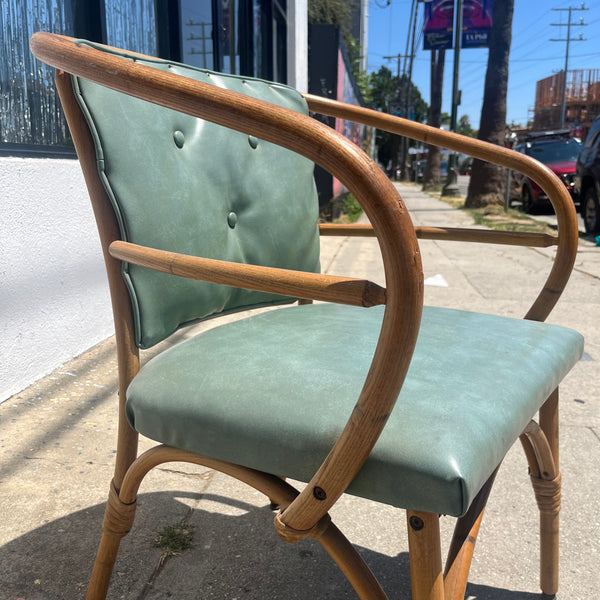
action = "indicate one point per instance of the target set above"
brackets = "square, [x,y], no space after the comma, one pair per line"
[202,187]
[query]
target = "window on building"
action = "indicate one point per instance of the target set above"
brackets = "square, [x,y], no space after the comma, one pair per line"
[30,113]
[31,118]
[279,41]
[245,37]
[196,26]
[131,24]
[270,39]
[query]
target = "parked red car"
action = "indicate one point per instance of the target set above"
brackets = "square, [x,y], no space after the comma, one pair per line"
[557,151]
[587,179]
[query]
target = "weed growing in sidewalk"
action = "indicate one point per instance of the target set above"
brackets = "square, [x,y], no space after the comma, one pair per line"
[342,209]
[174,539]
[352,210]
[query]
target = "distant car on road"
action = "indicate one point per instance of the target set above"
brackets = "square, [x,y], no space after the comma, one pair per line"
[418,169]
[587,179]
[465,166]
[558,152]
[443,169]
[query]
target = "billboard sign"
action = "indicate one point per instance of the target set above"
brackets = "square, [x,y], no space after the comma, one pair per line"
[439,24]
[438,29]
[477,23]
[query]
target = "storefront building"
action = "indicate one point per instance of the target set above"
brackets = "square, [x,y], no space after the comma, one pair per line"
[54,302]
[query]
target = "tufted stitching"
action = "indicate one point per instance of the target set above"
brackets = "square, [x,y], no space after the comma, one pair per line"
[178,198]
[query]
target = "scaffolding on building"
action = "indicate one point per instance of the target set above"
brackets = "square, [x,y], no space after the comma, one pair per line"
[582,102]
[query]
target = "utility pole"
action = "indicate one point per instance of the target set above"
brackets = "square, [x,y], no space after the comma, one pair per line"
[395,57]
[405,101]
[451,186]
[395,104]
[563,107]
[458,20]
[408,99]
[395,109]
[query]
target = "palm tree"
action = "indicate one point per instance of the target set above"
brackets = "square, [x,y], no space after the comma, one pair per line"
[487,183]
[431,177]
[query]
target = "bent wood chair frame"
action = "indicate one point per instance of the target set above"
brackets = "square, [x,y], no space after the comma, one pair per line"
[305,514]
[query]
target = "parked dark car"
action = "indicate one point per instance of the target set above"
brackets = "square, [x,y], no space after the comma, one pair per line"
[465,166]
[587,179]
[558,152]
[419,169]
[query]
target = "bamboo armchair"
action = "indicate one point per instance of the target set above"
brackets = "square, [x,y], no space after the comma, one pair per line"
[182,243]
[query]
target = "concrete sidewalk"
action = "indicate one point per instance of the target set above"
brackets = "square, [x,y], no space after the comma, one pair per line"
[57,439]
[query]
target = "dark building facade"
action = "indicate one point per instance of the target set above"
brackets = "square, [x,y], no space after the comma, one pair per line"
[245,37]
[330,75]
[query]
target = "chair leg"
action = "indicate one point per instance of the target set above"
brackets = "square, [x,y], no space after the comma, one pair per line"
[460,553]
[103,567]
[548,496]
[547,488]
[351,563]
[424,549]
[118,519]
[273,504]
[541,448]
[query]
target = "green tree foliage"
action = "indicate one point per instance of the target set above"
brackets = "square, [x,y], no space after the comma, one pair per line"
[388,94]
[361,77]
[381,90]
[384,89]
[385,97]
[339,12]
[464,126]
[363,81]
[332,12]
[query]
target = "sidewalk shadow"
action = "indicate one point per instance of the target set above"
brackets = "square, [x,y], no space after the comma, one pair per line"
[233,555]
[588,237]
[483,592]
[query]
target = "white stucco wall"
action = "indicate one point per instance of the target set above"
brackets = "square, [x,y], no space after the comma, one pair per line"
[297,44]
[54,301]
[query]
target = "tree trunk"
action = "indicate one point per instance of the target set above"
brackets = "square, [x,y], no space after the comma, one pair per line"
[487,182]
[431,177]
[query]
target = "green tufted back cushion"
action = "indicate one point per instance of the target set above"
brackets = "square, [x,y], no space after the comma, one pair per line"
[183,184]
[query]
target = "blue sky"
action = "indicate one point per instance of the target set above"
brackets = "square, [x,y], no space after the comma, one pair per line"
[533,55]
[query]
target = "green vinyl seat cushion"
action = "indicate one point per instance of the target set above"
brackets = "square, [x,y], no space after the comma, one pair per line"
[273,392]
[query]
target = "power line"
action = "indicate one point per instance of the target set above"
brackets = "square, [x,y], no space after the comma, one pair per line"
[537,60]
[395,57]
[568,40]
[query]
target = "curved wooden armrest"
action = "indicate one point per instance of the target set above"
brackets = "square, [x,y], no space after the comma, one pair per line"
[568,232]
[376,194]
[453,234]
[298,284]
[373,190]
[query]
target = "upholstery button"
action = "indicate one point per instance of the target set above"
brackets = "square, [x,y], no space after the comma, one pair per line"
[232,219]
[253,142]
[179,138]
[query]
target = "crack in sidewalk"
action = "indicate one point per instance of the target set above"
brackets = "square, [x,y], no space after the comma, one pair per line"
[166,556]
